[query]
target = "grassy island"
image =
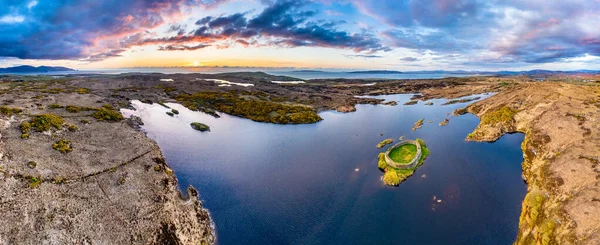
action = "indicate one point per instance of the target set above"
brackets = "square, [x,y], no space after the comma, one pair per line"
[200,126]
[257,106]
[402,154]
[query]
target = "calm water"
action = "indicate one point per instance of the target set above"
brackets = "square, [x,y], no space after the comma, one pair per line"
[298,184]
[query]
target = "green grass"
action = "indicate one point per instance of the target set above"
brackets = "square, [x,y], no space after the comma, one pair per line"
[404,153]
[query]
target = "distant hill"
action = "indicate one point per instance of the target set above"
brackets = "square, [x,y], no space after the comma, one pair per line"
[33,69]
[308,71]
[376,72]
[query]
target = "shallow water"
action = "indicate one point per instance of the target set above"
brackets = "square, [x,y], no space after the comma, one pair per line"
[298,184]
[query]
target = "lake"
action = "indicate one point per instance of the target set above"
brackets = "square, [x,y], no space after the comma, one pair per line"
[319,183]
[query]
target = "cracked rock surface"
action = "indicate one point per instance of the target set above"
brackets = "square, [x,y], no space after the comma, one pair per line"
[114,187]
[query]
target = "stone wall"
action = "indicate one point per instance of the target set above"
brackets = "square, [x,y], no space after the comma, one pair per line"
[412,164]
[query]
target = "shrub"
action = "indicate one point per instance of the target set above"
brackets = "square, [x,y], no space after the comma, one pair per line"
[170,113]
[412,102]
[381,164]
[175,111]
[107,114]
[7,111]
[200,126]
[24,136]
[31,164]
[55,106]
[72,109]
[25,127]
[85,121]
[45,122]
[391,178]
[81,90]
[72,128]
[34,182]
[64,146]
[157,168]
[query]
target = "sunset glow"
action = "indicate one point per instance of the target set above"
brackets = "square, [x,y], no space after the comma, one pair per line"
[397,35]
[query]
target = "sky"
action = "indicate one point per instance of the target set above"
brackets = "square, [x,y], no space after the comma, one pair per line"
[347,34]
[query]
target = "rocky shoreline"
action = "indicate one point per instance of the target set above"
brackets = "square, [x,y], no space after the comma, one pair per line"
[561,153]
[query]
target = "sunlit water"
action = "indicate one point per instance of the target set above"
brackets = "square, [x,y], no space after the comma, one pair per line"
[298,184]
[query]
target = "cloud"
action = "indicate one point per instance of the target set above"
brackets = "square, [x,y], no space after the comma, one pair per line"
[86,30]
[284,23]
[364,56]
[409,59]
[507,31]
[182,47]
[11,19]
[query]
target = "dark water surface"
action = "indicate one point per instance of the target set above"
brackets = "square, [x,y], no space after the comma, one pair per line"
[298,184]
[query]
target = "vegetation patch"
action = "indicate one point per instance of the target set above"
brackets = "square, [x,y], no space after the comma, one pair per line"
[44,122]
[200,126]
[72,109]
[384,143]
[107,113]
[412,102]
[256,106]
[55,106]
[7,111]
[504,115]
[404,153]
[34,182]
[63,146]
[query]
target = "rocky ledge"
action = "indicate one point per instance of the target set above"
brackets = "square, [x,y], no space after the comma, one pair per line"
[112,185]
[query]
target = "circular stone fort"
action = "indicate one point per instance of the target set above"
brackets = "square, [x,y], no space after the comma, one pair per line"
[409,165]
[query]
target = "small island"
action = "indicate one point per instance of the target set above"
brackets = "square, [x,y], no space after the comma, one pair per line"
[200,126]
[401,160]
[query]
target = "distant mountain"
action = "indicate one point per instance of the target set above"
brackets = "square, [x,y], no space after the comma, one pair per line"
[33,69]
[308,71]
[376,72]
